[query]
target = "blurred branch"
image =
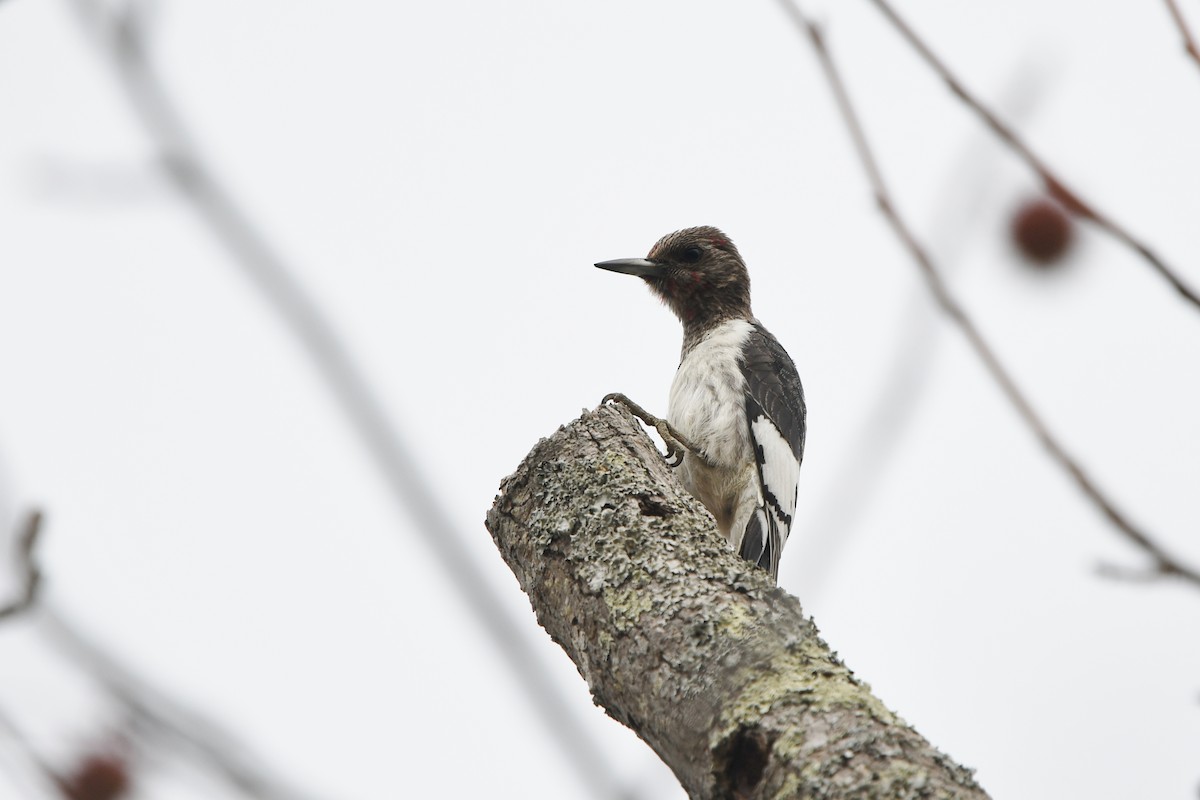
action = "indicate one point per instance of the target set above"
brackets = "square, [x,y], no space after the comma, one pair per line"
[1057,189]
[1119,572]
[39,766]
[862,466]
[1166,563]
[165,720]
[1189,42]
[146,705]
[1155,572]
[30,574]
[122,39]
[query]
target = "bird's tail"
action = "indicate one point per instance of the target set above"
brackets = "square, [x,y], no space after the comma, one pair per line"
[762,541]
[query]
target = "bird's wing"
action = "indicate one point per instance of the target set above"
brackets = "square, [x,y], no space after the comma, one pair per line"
[775,412]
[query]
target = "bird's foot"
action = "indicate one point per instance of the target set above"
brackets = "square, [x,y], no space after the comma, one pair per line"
[677,444]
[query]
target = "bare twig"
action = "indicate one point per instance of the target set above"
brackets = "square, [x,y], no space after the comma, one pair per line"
[122,40]
[166,721]
[13,734]
[45,776]
[1189,41]
[1118,572]
[1167,564]
[1055,186]
[30,574]
[832,521]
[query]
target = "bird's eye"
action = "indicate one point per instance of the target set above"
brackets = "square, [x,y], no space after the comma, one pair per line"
[691,255]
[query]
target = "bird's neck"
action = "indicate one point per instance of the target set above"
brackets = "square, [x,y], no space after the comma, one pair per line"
[697,329]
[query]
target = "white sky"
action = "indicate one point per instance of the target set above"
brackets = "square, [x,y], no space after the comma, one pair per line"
[442,176]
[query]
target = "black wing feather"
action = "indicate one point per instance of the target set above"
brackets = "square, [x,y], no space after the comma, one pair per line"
[773,391]
[773,383]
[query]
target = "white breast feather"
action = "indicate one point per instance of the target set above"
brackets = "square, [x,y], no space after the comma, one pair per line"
[707,403]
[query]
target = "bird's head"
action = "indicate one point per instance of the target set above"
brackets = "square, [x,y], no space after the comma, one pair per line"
[697,272]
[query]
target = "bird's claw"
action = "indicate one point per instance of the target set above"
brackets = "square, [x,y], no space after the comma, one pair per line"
[674,456]
[677,445]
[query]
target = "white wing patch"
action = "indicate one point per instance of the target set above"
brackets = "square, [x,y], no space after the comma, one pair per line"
[780,473]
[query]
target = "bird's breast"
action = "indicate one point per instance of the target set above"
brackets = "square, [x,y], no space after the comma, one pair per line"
[707,403]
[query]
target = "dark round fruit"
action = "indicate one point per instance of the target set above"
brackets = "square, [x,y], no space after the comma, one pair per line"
[1042,231]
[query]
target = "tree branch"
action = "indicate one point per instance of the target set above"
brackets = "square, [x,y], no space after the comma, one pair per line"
[170,722]
[167,723]
[1055,186]
[688,645]
[119,33]
[1166,564]
[1189,42]
[30,573]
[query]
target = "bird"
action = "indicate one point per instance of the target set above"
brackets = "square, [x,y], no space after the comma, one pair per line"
[736,404]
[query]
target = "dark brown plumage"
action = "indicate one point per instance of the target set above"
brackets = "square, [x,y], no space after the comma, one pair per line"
[705,281]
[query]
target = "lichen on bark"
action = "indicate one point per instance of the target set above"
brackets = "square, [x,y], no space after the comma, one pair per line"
[694,649]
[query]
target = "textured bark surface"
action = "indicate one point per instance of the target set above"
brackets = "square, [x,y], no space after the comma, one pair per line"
[694,649]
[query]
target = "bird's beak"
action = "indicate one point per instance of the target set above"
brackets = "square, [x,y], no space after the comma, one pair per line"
[643,268]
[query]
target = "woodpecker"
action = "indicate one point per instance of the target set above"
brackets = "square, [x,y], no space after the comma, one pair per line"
[736,404]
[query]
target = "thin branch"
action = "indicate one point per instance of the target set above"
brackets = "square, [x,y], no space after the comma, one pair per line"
[832,523]
[122,40]
[39,765]
[166,720]
[1118,572]
[1189,41]
[1165,562]
[169,720]
[1055,186]
[27,566]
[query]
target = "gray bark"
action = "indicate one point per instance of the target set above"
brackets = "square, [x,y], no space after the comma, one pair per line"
[695,650]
